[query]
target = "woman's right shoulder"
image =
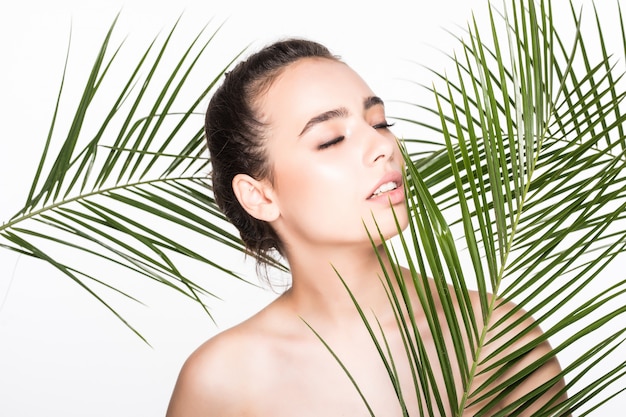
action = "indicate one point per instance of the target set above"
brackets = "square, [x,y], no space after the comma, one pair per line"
[218,354]
[215,375]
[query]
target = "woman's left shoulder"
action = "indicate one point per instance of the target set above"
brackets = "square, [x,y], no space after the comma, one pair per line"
[513,333]
[506,314]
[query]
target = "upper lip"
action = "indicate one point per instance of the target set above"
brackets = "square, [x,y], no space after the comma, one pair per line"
[392,176]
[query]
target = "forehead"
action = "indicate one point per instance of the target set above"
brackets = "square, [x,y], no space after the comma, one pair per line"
[311,86]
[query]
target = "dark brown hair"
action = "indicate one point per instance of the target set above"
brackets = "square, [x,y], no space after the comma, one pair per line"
[236,138]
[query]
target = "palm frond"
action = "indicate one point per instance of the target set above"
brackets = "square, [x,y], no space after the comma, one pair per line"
[117,197]
[528,182]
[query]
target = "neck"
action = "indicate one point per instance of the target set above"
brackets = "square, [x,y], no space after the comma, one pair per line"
[318,293]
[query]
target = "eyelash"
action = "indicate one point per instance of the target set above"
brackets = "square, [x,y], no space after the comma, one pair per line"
[331,143]
[325,145]
[383,125]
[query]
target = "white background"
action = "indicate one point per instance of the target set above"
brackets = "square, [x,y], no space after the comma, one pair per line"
[63,354]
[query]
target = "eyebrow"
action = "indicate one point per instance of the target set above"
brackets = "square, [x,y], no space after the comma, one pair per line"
[372,101]
[368,103]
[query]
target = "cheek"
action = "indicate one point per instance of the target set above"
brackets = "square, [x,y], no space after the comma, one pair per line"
[311,179]
[318,194]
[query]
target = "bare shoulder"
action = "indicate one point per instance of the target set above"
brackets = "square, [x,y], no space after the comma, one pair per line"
[205,386]
[515,334]
[215,375]
[197,389]
[517,330]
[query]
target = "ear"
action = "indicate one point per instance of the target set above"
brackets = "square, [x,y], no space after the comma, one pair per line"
[255,197]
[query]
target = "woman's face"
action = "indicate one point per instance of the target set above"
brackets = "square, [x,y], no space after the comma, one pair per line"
[336,165]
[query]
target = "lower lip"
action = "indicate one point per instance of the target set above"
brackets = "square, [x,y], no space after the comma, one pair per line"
[394,197]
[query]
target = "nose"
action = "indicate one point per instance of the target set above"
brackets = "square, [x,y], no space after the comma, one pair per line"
[380,145]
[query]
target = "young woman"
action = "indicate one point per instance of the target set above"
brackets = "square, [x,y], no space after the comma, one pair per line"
[303,161]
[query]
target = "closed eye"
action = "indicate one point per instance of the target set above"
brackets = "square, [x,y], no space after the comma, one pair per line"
[331,143]
[383,125]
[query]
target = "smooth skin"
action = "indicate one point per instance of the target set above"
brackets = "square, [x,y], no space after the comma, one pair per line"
[330,147]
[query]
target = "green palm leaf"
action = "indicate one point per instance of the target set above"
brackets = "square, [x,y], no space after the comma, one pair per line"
[529,183]
[120,194]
